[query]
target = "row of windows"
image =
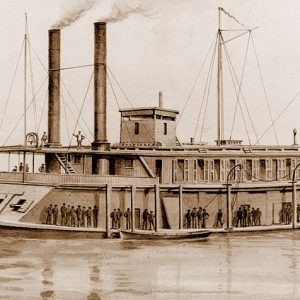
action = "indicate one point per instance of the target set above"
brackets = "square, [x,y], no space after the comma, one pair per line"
[202,170]
[137,128]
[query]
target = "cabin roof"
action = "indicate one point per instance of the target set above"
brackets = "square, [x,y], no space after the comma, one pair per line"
[148,111]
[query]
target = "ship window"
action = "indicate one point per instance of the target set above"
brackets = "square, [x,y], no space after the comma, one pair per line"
[129,163]
[186,170]
[77,159]
[201,169]
[165,128]
[216,167]
[136,128]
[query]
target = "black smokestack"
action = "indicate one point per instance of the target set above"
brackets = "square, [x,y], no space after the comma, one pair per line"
[54,88]
[100,131]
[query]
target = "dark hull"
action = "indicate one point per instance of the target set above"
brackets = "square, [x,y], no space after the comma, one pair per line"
[164,235]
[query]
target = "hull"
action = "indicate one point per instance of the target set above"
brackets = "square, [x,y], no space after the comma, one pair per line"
[164,235]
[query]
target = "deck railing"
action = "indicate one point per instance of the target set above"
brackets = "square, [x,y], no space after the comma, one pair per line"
[55,179]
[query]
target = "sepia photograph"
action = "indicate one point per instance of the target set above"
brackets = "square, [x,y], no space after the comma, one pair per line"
[149,149]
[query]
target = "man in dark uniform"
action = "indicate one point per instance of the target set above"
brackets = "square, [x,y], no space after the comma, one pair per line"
[73,216]
[253,217]
[145,219]
[79,216]
[68,215]
[239,217]
[188,217]
[83,217]
[119,215]
[194,217]
[95,216]
[288,214]
[219,218]
[55,214]
[205,216]
[89,214]
[127,216]
[244,220]
[151,220]
[63,215]
[113,216]
[49,212]
[258,216]
[199,215]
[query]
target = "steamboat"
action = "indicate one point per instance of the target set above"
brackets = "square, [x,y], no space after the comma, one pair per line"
[148,169]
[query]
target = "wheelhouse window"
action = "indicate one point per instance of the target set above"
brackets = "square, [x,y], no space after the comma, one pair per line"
[77,159]
[129,163]
[165,128]
[136,128]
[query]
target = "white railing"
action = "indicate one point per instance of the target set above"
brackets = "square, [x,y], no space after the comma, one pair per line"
[54,179]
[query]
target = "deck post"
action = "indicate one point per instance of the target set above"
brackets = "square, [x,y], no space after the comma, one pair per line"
[107,209]
[180,207]
[294,204]
[156,205]
[228,206]
[132,203]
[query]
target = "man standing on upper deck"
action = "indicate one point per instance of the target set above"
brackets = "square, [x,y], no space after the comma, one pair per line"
[79,138]
[63,215]
[194,217]
[44,139]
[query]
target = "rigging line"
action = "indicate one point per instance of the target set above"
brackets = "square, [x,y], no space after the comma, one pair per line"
[213,198]
[231,16]
[64,85]
[28,106]
[66,118]
[278,117]
[264,88]
[122,90]
[11,85]
[32,80]
[43,108]
[195,82]
[205,87]
[240,86]
[242,94]
[238,102]
[84,99]
[74,67]
[74,103]
[115,96]
[208,93]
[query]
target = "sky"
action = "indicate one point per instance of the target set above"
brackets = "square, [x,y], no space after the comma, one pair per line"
[158,45]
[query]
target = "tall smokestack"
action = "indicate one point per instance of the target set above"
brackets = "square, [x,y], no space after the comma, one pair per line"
[100,131]
[54,88]
[100,163]
[52,164]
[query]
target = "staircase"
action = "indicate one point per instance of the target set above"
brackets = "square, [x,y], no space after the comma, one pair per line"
[62,158]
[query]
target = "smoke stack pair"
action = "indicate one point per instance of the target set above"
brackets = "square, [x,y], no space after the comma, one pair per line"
[100,130]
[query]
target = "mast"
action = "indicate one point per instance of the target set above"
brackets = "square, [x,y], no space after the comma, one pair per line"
[25,96]
[219,85]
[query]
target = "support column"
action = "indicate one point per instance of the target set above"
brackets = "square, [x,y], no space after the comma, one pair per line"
[294,204]
[132,204]
[228,206]
[107,209]
[156,207]
[180,207]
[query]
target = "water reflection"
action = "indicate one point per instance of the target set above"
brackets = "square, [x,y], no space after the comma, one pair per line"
[264,265]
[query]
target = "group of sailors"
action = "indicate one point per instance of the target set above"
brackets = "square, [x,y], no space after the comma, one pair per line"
[245,217]
[196,218]
[21,168]
[69,216]
[285,214]
[148,219]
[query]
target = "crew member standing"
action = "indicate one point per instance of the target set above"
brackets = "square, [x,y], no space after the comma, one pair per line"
[151,219]
[63,211]
[49,212]
[95,216]
[89,214]
[199,214]
[239,217]
[127,216]
[298,213]
[145,219]
[194,217]
[205,216]
[219,218]
[79,138]
[44,139]
[79,216]
[188,217]
[55,214]
[119,215]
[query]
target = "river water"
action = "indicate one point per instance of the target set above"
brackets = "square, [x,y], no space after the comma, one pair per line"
[260,266]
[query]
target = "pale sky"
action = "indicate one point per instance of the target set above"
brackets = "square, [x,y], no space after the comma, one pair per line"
[163,51]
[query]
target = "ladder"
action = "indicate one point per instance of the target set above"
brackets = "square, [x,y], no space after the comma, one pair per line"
[62,158]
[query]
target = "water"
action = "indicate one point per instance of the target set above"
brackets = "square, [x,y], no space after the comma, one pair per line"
[260,266]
